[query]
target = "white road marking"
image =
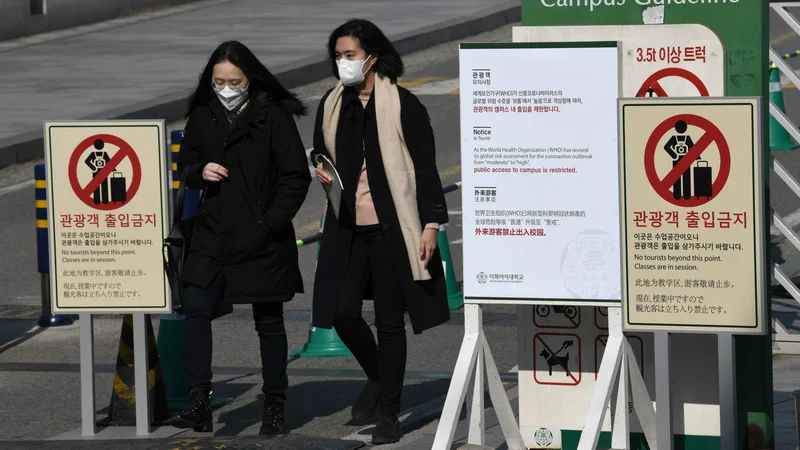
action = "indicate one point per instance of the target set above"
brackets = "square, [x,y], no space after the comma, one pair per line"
[12,342]
[436,87]
[16,187]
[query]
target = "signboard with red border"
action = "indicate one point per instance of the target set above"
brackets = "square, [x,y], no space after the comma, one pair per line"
[557,359]
[107,190]
[669,60]
[692,215]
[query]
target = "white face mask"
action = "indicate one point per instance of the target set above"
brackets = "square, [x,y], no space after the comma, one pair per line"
[231,97]
[350,72]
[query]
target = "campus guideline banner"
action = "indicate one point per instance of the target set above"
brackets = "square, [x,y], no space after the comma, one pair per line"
[539,171]
[107,186]
[692,209]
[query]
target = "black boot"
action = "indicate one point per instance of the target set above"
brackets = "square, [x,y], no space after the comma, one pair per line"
[273,421]
[367,401]
[198,414]
[387,430]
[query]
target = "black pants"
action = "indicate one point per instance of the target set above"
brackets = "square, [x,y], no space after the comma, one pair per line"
[200,305]
[386,361]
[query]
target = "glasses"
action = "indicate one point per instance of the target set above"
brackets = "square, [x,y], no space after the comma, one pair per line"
[233,84]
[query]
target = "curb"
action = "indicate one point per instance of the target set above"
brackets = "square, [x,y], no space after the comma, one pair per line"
[29,145]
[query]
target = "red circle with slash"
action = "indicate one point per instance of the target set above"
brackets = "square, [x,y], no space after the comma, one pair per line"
[125,151]
[653,82]
[712,136]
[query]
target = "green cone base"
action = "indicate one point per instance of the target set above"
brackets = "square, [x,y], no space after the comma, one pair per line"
[455,301]
[455,298]
[322,343]
[779,138]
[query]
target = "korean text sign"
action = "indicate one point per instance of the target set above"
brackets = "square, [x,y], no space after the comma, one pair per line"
[107,188]
[692,215]
[539,167]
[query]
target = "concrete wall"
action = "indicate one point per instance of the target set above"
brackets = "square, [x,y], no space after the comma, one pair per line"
[16,20]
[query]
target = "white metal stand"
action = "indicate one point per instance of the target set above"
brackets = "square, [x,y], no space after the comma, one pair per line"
[663,388]
[88,407]
[618,364]
[727,390]
[88,403]
[140,375]
[475,348]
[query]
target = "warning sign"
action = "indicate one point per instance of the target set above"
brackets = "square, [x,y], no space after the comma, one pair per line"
[691,181]
[652,85]
[637,344]
[107,186]
[668,60]
[557,359]
[557,317]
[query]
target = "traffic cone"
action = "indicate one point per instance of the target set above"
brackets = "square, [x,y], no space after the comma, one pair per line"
[321,343]
[173,357]
[171,350]
[455,298]
[779,138]
[122,410]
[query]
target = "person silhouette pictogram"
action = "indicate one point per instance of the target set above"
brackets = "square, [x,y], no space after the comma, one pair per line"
[96,161]
[677,148]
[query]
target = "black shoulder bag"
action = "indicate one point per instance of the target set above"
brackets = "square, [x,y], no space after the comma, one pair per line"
[176,247]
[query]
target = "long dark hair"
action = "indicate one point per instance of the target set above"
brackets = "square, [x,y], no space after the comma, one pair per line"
[374,42]
[264,87]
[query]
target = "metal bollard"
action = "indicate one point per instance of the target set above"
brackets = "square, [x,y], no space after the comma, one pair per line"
[796,397]
[47,319]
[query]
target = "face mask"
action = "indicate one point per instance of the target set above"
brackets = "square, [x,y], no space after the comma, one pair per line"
[230,97]
[350,72]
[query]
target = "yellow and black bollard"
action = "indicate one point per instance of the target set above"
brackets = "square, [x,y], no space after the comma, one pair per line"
[47,319]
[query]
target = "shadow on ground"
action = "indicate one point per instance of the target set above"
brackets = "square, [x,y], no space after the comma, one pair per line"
[310,400]
[16,331]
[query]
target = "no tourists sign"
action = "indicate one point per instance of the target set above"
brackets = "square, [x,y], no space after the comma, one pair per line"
[692,215]
[107,188]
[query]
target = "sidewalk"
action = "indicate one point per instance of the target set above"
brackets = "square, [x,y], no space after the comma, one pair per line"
[145,66]
[785,369]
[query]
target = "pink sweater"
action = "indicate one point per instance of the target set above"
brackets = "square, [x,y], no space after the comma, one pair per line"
[365,209]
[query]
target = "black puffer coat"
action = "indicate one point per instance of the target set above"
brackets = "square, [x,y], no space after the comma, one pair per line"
[244,226]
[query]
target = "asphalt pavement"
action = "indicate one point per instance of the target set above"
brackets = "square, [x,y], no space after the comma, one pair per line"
[39,377]
[38,368]
[145,66]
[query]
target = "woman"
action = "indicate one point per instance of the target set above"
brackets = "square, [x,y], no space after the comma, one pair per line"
[384,239]
[242,147]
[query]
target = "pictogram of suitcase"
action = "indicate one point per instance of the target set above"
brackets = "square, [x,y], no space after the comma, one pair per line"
[119,192]
[702,180]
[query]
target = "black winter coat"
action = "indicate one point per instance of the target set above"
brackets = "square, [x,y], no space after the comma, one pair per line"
[244,226]
[426,301]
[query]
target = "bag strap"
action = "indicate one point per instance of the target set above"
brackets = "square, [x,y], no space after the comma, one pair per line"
[177,209]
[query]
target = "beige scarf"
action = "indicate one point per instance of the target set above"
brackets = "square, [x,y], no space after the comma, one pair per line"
[396,161]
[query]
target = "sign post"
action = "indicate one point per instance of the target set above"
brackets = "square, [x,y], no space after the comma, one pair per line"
[742,26]
[521,144]
[692,210]
[108,188]
[692,213]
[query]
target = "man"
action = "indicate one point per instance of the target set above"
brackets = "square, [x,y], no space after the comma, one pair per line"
[677,147]
[96,161]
